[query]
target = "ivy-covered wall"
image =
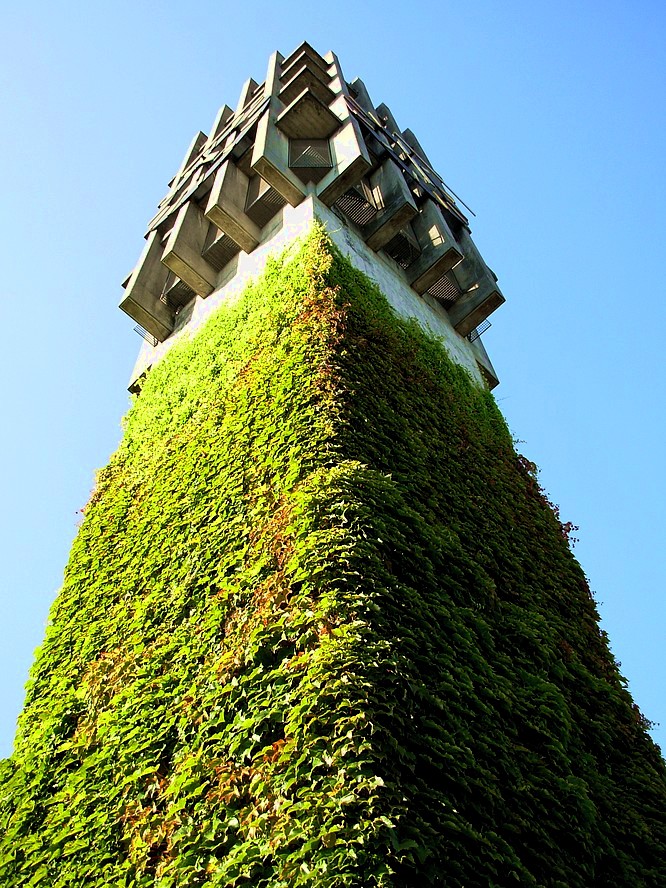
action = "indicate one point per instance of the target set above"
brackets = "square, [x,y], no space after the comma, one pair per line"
[320,627]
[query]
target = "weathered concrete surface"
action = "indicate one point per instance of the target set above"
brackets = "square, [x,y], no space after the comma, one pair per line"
[270,157]
[291,224]
[226,207]
[142,294]
[440,251]
[397,206]
[481,295]
[183,249]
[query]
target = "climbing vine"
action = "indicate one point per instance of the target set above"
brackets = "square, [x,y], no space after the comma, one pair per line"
[320,626]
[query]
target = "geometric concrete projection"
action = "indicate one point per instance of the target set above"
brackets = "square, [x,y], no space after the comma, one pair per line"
[306,139]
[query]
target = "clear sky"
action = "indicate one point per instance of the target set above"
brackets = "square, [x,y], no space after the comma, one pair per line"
[547,118]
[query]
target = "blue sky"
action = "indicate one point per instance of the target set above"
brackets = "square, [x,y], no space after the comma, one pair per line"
[548,119]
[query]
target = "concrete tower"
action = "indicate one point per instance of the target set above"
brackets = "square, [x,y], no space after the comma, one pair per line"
[320,625]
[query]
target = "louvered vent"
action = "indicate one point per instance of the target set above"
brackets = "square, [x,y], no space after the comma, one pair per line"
[358,204]
[219,248]
[446,289]
[478,331]
[176,293]
[310,153]
[144,334]
[263,201]
[403,248]
[310,159]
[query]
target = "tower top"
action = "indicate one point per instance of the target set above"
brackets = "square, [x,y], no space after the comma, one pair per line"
[306,133]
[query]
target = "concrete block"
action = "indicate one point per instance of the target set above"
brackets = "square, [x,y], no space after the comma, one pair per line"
[362,97]
[226,206]
[193,151]
[377,140]
[358,203]
[414,143]
[439,250]
[182,251]
[220,123]
[472,268]
[144,288]
[219,248]
[337,82]
[305,55]
[395,202]
[350,163]
[480,293]
[404,248]
[307,116]
[248,90]
[350,157]
[476,304]
[387,118]
[306,79]
[310,159]
[351,160]
[270,157]
[177,294]
[272,82]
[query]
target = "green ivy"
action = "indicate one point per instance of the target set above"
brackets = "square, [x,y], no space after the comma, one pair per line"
[321,627]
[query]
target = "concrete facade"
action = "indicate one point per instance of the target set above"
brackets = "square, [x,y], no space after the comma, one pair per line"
[307,144]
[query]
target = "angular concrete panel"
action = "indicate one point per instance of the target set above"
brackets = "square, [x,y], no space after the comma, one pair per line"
[226,207]
[472,268]
[351,160]
[270,157]
[306,79]
[414,143]
[387,118]
[397,206]
[476,304]
[480,293]
[305,55]
[350,163]
[485,364]
[263,201]
[247,92]
[440,252]
[272,82]
[193,151]
[142,296]
[308,116]
[221,122]
[361,95]
[182,251]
